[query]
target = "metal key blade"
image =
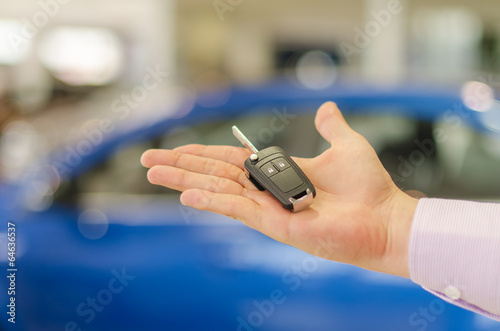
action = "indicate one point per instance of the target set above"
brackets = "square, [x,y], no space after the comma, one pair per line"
[244,140]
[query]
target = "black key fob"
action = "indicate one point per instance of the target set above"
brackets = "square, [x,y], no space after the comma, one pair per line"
[272,169]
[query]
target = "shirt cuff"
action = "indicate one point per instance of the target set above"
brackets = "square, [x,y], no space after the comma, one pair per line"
[454,252]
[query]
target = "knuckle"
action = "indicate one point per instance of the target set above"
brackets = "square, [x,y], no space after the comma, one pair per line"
[233,206]
[177,158]
[183,179]
[210,167]
[213,184]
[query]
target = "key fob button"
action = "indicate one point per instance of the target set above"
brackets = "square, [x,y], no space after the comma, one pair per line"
[269,169]
[287,180]
[281,164]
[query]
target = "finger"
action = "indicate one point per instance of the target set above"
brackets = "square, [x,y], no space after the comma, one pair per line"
[253,209]
[181,180]
[234,155]
[194,163]
[330,123]
[234,206]
[230,154]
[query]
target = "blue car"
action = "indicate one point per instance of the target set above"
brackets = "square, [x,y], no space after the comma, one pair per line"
[96,248]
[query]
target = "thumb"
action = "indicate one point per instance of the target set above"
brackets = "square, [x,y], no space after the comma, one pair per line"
[330,123]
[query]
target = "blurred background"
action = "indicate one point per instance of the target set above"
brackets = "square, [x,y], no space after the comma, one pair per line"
[87,86]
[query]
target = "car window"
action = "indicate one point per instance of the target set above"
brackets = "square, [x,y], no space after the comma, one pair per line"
[436,158]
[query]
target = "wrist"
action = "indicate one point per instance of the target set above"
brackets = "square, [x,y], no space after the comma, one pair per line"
[399,220]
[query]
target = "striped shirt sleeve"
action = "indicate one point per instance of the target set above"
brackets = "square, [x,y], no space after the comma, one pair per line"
[454,252]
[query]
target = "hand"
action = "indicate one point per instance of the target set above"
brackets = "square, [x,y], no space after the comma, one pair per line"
[359,216]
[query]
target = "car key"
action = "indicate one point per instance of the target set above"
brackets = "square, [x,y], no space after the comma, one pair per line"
[272,169]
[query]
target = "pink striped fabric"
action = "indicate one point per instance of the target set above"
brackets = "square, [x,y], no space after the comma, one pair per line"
[454,252]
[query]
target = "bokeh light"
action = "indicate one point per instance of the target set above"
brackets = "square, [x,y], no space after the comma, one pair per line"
[19,146]
[82,55]
[13,46]
[478,96]
[93,224]
[316,70]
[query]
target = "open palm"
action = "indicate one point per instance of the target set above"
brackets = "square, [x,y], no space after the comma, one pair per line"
[358,216]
